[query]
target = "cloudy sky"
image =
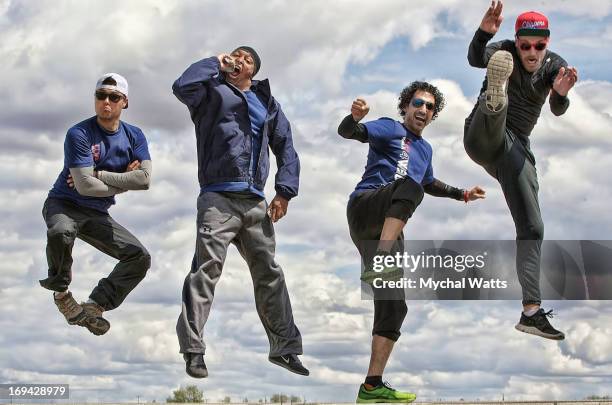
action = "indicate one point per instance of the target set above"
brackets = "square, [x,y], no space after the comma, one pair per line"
[319,55]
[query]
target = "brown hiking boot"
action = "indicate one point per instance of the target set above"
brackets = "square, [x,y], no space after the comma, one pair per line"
[71,309]
[93,320]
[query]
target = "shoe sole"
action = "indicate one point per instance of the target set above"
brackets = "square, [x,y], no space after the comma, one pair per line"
[286,366]
[96,325]
[532,330]
[78,318]
[499,70]
[384,401]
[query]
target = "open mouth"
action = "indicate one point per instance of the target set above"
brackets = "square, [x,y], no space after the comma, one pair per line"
[420,118]
[236,71]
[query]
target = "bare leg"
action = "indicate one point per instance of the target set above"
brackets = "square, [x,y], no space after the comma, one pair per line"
[392,229]
[381,350]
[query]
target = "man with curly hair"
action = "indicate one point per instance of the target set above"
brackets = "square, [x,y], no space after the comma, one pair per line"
[397,173]
[521,74]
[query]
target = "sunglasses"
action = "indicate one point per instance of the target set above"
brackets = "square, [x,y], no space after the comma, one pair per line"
[526,46]
[113,97]
[419,102]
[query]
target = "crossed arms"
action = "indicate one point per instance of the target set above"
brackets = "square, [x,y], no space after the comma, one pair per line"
[91,183]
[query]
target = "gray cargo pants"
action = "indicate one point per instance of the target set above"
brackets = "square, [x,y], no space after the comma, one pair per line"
[67,221]
[222,220]
[508,158]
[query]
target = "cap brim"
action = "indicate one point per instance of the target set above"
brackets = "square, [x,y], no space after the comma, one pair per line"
[531,32]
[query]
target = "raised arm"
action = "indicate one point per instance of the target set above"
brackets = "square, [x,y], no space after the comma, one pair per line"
[438,188]
[350,128]
[478,52]
[190,87]
[563,82]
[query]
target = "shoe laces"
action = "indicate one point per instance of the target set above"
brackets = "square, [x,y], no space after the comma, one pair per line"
[548,314]
[92,309]
[67,303]
[388,386]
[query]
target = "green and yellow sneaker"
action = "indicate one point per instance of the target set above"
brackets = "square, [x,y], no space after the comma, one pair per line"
[383,393]
[388,273]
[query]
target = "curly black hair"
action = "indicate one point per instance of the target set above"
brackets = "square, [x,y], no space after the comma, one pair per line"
[408,92]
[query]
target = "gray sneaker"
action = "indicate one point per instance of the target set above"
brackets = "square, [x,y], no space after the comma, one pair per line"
[71,309]
[499,70]
[93,320]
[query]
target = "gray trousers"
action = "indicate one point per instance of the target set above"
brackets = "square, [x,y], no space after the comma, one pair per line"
[222,220]
[66,221]
[508,158]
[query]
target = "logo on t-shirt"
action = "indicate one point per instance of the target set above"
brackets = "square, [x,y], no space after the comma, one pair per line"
[95,151]
[402,163]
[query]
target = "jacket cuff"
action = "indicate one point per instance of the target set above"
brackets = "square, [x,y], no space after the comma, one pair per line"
[483,36]
[287,196]
[558,98]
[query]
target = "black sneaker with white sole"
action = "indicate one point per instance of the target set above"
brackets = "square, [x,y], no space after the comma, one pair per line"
[194,365]
[291,363]
[538,325]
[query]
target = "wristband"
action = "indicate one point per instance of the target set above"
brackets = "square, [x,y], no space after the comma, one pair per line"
[466,196]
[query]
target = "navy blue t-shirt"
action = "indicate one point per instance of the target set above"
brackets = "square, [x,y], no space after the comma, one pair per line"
[394,153]
[88,144]
[257,115]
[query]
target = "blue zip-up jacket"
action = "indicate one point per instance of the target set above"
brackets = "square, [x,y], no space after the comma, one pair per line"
[223,130]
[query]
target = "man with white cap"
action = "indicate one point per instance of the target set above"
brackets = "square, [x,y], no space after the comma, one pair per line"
[521,74]
[103,156]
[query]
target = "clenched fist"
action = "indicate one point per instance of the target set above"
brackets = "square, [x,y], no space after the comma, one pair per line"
[359,109]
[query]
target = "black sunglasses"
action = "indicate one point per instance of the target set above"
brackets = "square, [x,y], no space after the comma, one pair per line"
[113,97]
[526,46]
[419,102]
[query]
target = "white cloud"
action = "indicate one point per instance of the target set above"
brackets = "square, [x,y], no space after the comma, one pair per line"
[53,52]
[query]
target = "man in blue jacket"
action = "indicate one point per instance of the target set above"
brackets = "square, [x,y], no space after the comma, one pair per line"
[236,119]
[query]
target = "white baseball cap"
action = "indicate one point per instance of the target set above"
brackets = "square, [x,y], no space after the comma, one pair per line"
[121,86]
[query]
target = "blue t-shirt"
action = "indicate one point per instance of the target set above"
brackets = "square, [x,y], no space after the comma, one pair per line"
[88,144]
[394,153]
[257,115]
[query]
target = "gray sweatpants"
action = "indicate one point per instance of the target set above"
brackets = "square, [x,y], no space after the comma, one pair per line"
[223,220]
[508,158]
[66,221]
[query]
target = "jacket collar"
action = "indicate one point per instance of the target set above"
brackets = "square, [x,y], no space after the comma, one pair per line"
[258,86]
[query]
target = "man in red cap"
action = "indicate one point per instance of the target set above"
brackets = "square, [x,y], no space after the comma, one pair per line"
[521,74]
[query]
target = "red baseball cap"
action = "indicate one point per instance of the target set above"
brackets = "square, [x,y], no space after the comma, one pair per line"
[532,23]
